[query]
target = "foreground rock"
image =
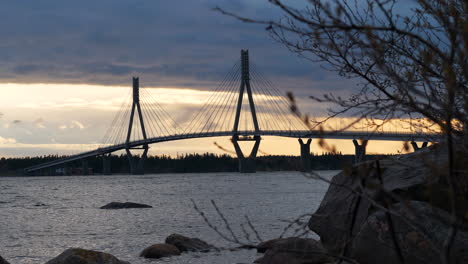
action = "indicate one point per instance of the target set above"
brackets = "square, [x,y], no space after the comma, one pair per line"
[419,243]
[292,250]
[188,244]
[127,205]
[3,261]
[417,176]
[160,251]
[83,256]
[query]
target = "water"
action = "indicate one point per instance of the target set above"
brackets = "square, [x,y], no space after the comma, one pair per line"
[40,217]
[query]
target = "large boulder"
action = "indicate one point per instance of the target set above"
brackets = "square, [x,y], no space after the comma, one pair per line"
[184,243]
[418,176]
[3,261]
[83,256]
[126,205]
[160,251]
[421,241]
[292,250]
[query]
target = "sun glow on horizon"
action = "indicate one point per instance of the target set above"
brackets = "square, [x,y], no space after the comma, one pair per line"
[69,118]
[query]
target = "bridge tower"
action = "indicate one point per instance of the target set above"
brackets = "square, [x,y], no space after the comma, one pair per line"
[246,164]
[136,164]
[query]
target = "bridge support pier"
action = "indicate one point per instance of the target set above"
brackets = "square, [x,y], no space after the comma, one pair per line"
[106,164]
[84,167]
[360,151]
[246,164]
[137,163]
[305,154]
[418,148]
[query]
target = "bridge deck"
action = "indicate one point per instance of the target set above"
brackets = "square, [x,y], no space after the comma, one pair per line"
[365,135]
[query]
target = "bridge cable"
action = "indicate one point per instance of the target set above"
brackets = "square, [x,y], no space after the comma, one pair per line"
[215,106]
[107,136]
[274,106]
[172,124]
[159,127]
[274,92]
[226,126]
[194,122]
[120,124]
[275,119]
[206,106]
[224,101]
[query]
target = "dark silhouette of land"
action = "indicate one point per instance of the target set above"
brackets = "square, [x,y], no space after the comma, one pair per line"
[187,163]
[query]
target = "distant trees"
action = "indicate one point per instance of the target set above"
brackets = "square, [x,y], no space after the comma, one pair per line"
[188,163]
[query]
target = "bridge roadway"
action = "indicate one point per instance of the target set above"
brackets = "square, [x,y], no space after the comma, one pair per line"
[364,135]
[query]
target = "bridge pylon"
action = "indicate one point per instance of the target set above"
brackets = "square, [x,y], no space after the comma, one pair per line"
[136,164]
[246,164]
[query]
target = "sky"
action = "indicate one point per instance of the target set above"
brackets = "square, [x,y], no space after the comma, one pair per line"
[66,68]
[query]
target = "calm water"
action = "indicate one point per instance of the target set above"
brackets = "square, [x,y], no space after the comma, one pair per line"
[42,216]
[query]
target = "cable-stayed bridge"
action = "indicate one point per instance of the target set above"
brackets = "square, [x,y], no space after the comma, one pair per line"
[245,106]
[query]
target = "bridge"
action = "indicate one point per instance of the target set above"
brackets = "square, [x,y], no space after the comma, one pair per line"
[245,107]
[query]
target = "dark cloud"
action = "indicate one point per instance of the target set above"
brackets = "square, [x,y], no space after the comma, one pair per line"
[167,43]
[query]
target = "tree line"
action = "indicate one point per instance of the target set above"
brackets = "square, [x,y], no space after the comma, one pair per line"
[188,163]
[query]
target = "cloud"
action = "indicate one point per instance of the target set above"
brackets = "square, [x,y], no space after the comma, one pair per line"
[7,141]
[77,124]
[40,123]
[167,43]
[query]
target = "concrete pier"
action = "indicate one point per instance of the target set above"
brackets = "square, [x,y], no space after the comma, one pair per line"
[305,154]
[418,148]
[106,164]
[246,164]
[360,151]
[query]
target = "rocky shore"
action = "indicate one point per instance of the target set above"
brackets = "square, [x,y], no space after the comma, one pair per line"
[388,211]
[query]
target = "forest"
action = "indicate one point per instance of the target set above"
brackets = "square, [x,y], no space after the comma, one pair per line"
[188,163]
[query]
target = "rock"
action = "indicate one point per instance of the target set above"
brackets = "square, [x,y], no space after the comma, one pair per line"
[374,242]
[83,256]
[265,245]
[117,205]
[160,251]
[417,176]
[3,261]
[292,250]
[188,244]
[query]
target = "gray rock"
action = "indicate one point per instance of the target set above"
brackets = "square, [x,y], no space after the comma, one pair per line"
[3,261]
[374,242]
[265,245]
[188,244]
[160,251]
[292,250]
[127,205]
[83,256]
[410,176]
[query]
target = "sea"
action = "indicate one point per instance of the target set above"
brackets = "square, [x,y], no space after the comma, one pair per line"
[40,217]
